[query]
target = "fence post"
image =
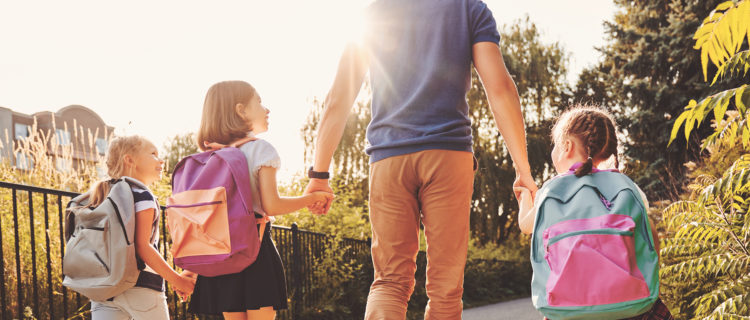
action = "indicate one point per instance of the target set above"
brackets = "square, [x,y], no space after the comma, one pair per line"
[296,272]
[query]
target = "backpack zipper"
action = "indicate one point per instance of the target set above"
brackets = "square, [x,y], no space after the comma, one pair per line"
[553,240]
[608,205]
[119,218]
[194,204]
[101,261]
[603,199]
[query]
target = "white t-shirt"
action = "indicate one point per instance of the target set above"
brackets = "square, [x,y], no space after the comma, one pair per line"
[259,153]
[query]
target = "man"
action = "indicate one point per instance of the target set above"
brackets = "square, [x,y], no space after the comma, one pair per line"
[419,55]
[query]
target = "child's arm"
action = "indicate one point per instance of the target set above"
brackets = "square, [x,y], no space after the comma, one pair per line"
[525,210]
[146,251]
[274,204]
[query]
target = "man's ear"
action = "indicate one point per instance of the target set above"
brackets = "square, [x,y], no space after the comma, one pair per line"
[239,109]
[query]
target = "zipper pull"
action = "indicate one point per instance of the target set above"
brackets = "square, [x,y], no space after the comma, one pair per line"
[604,200]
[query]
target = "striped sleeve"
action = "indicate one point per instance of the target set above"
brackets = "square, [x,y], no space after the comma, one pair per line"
[143,200]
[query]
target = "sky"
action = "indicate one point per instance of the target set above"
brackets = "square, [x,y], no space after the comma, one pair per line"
[145,66]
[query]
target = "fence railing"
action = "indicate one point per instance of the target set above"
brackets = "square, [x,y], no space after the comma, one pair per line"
[32,245]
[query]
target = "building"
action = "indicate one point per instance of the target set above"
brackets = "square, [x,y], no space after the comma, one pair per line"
[74,128]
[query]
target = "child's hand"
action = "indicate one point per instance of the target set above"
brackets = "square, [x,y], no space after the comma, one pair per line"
[320,200]
[189,274]
[183,296]
[184,284]
[524,195]
[525,199]
[525,206]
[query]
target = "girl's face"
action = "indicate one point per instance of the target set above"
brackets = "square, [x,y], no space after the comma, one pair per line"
[146,166]
[255,115]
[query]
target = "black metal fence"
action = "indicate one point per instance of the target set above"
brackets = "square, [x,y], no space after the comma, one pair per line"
[32,244]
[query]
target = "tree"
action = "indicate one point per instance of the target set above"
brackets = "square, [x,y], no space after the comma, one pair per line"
[538,70]
[349,214]
[351,165]
[178,147]
[647,76]
[709,231]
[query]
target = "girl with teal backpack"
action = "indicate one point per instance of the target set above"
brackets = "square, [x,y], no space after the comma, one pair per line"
[593,249]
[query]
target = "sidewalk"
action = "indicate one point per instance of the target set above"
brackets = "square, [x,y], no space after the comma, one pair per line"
[520,309]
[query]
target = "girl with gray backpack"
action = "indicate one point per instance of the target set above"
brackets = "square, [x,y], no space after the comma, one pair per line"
[111,255]
[594,250]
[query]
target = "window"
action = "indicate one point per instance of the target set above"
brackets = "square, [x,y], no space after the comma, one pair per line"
[101,145]
[62,164]
[22,131]
[24,161]
[62,137]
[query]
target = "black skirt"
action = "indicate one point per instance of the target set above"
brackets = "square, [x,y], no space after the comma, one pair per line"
[262,284]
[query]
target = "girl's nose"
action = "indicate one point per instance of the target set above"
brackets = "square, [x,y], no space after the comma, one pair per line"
[267,110]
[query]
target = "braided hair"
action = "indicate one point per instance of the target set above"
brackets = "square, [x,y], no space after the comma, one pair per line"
[595,128]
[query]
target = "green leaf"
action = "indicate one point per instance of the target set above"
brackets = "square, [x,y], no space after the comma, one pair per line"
[721,108]
[713,51]
[724,6]
[738,99]
[704,62]
[679,121]
[689,127]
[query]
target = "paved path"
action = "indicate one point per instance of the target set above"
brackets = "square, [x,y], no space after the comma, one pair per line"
[520,309]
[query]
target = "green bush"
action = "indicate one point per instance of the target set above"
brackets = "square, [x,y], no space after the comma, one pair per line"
[706,256]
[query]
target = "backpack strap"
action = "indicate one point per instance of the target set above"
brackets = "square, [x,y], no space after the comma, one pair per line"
[212,146]
[262,222]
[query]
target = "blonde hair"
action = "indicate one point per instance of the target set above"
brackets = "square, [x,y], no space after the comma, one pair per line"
[220,122]
[595,128]
[118,148]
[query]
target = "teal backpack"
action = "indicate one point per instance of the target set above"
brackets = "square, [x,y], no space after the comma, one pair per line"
[592,251]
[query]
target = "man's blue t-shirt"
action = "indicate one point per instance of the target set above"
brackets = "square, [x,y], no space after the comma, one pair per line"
[420,69]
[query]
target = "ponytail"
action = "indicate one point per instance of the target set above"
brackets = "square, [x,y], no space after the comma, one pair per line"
[99,192]
[586,168]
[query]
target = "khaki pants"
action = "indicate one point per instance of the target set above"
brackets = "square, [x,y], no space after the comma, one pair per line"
[433,186]
[135,303]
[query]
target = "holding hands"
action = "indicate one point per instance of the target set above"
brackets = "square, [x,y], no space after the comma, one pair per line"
[525,190]
[322,195]
[184,284]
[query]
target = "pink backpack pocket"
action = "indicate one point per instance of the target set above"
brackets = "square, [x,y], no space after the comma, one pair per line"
[198,223]
[592,262]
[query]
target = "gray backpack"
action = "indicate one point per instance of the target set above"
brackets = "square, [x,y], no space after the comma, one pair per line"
[100,259]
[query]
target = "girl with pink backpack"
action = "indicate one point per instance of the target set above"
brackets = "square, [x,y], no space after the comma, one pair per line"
[594,250]
[232,113]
